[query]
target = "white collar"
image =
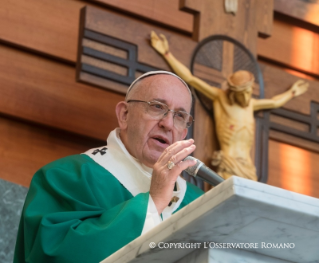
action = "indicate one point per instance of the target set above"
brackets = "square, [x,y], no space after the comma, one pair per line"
[132,174]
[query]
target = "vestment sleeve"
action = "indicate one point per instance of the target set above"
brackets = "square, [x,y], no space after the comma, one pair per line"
[76,211]
[152,217]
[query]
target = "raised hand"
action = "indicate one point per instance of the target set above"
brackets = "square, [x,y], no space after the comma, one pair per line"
[163,178]
[160,44]
[299,87]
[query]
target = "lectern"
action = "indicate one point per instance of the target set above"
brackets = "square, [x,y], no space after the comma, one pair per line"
[237,221]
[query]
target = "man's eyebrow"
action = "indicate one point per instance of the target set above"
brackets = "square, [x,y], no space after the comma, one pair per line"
[165,102]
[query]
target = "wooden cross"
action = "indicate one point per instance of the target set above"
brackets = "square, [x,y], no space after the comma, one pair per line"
[252,18]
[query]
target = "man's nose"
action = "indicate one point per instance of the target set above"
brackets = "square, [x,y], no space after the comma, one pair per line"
[167,121]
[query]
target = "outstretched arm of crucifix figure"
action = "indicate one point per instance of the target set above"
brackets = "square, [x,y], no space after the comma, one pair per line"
[298,88]
[160,44]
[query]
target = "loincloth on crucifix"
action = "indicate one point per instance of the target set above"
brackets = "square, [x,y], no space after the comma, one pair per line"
[228,166]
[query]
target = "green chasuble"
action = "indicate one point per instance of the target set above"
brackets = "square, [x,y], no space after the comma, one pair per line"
[76,211]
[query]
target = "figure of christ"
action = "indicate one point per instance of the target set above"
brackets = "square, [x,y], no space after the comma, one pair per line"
[233,112]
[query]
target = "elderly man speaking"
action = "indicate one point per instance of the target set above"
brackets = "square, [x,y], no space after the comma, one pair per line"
[83,208]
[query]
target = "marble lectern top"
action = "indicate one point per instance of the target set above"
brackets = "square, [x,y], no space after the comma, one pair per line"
[238,211]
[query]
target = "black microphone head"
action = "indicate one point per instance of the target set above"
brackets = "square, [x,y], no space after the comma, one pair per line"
[192,170]
[203,172]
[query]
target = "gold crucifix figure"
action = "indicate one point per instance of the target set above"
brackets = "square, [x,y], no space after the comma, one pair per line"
[233,111]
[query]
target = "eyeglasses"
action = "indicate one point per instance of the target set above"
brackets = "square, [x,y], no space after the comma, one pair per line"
[158,110]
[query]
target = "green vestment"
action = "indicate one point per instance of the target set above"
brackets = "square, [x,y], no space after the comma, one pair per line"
[76,211]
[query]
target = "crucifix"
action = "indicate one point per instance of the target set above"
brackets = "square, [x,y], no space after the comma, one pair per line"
[233,105]
[101,61]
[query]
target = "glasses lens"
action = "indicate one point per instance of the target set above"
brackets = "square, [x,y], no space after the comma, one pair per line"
[183,119]
[157,109]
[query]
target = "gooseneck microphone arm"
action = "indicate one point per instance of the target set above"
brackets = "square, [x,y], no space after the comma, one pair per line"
[202,171]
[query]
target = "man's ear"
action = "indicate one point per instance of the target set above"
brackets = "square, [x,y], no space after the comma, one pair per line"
[121,111]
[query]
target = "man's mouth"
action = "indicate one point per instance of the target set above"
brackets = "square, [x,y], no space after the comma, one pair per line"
[161,140]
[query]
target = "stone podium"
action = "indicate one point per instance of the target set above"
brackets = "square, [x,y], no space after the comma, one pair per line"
[237,221]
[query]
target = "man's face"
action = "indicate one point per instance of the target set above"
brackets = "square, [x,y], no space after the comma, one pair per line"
[243,97]
[145,137]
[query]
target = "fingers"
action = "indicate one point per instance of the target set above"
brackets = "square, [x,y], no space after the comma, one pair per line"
[163,178]
[153,35]
[300,87]
[163,37]
[165,42]
[173,173]
[154,38]
[173,149]
[302,83]
[179,167]
[179,156]
[298,83]
[182,165]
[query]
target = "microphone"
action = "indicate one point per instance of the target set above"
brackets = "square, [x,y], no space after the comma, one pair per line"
[203,172]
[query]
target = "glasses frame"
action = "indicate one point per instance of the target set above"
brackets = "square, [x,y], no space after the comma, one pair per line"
[172,111]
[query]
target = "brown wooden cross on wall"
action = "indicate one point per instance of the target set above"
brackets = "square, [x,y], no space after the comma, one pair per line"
[253,18]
